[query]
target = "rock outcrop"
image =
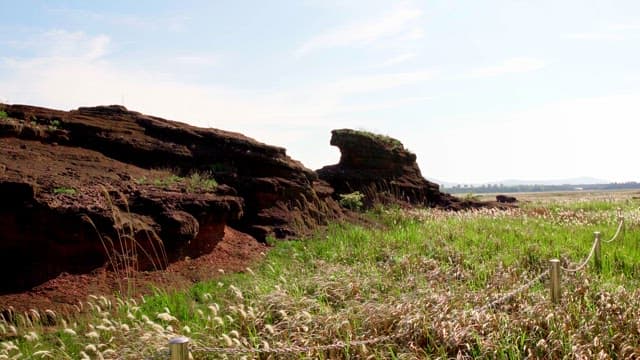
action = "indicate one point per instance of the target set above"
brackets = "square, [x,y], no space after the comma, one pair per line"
[506,199]
[66,177]
[66,209]
[280,194]
[383,170]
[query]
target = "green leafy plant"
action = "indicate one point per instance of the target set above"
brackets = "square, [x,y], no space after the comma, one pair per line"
[141,181]
[167,181]
[54,124]
[352,201]
[65,191]
[471,197]
[394,143]
[201,181]
[197,181]
[3,114]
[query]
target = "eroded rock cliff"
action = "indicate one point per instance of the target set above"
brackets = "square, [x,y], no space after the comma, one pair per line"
[384,171]
[66,177]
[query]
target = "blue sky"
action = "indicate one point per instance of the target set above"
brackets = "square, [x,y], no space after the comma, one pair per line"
[479,90]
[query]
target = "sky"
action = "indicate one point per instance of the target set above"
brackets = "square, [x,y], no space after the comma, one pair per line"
[480,90]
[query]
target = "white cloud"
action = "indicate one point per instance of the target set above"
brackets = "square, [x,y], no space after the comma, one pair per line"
[197,59]
[594,36]
[174,22]
[415,33]
[398,22]
[382,105]
[311,112]
[98,47]
[395,60]
[71,71]
[625,27]
[615,32]
[62,83]
[377,82]
[509,66]
[65,44]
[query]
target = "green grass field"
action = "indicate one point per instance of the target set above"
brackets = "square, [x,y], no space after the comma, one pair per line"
[401,285]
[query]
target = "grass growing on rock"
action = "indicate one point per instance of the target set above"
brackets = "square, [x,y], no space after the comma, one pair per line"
[385,139]
[416,284]
[195,182]
[65,191]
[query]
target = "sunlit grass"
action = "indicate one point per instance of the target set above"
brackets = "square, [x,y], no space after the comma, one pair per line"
[416,274]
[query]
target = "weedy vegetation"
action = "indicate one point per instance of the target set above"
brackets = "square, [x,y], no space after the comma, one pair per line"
[3,114]
[167,181]
[133,243]
[415,286]
[195,182]
[65,190]
[54,124]
[352,201]
[394,143]
[201,181]
[471,197]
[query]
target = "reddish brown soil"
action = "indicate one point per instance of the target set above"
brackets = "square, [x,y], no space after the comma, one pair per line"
[234,253]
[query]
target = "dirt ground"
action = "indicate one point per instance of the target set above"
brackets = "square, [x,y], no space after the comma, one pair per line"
[234,253]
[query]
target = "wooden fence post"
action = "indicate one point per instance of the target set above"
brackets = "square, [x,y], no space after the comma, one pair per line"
[554,274]
[179,348]
[597,256]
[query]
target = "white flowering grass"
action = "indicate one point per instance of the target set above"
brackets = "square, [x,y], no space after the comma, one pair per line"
[419,276]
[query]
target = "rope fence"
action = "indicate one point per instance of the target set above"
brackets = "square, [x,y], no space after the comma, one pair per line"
[620,225]
[340,345]
[594,249]
[511,294]
[179,346]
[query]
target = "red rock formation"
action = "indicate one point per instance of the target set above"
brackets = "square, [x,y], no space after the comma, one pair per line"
[506,199]
[384,171]
[275,188]
[57,166]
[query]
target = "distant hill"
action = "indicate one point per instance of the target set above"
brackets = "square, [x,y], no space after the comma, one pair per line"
[570,181]
[584,180]
[501,188]
[514,185]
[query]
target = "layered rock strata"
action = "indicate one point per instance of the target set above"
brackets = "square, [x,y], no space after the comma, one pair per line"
[76,186]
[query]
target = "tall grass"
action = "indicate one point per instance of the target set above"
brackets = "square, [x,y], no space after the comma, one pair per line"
[420,276]
[133,241]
